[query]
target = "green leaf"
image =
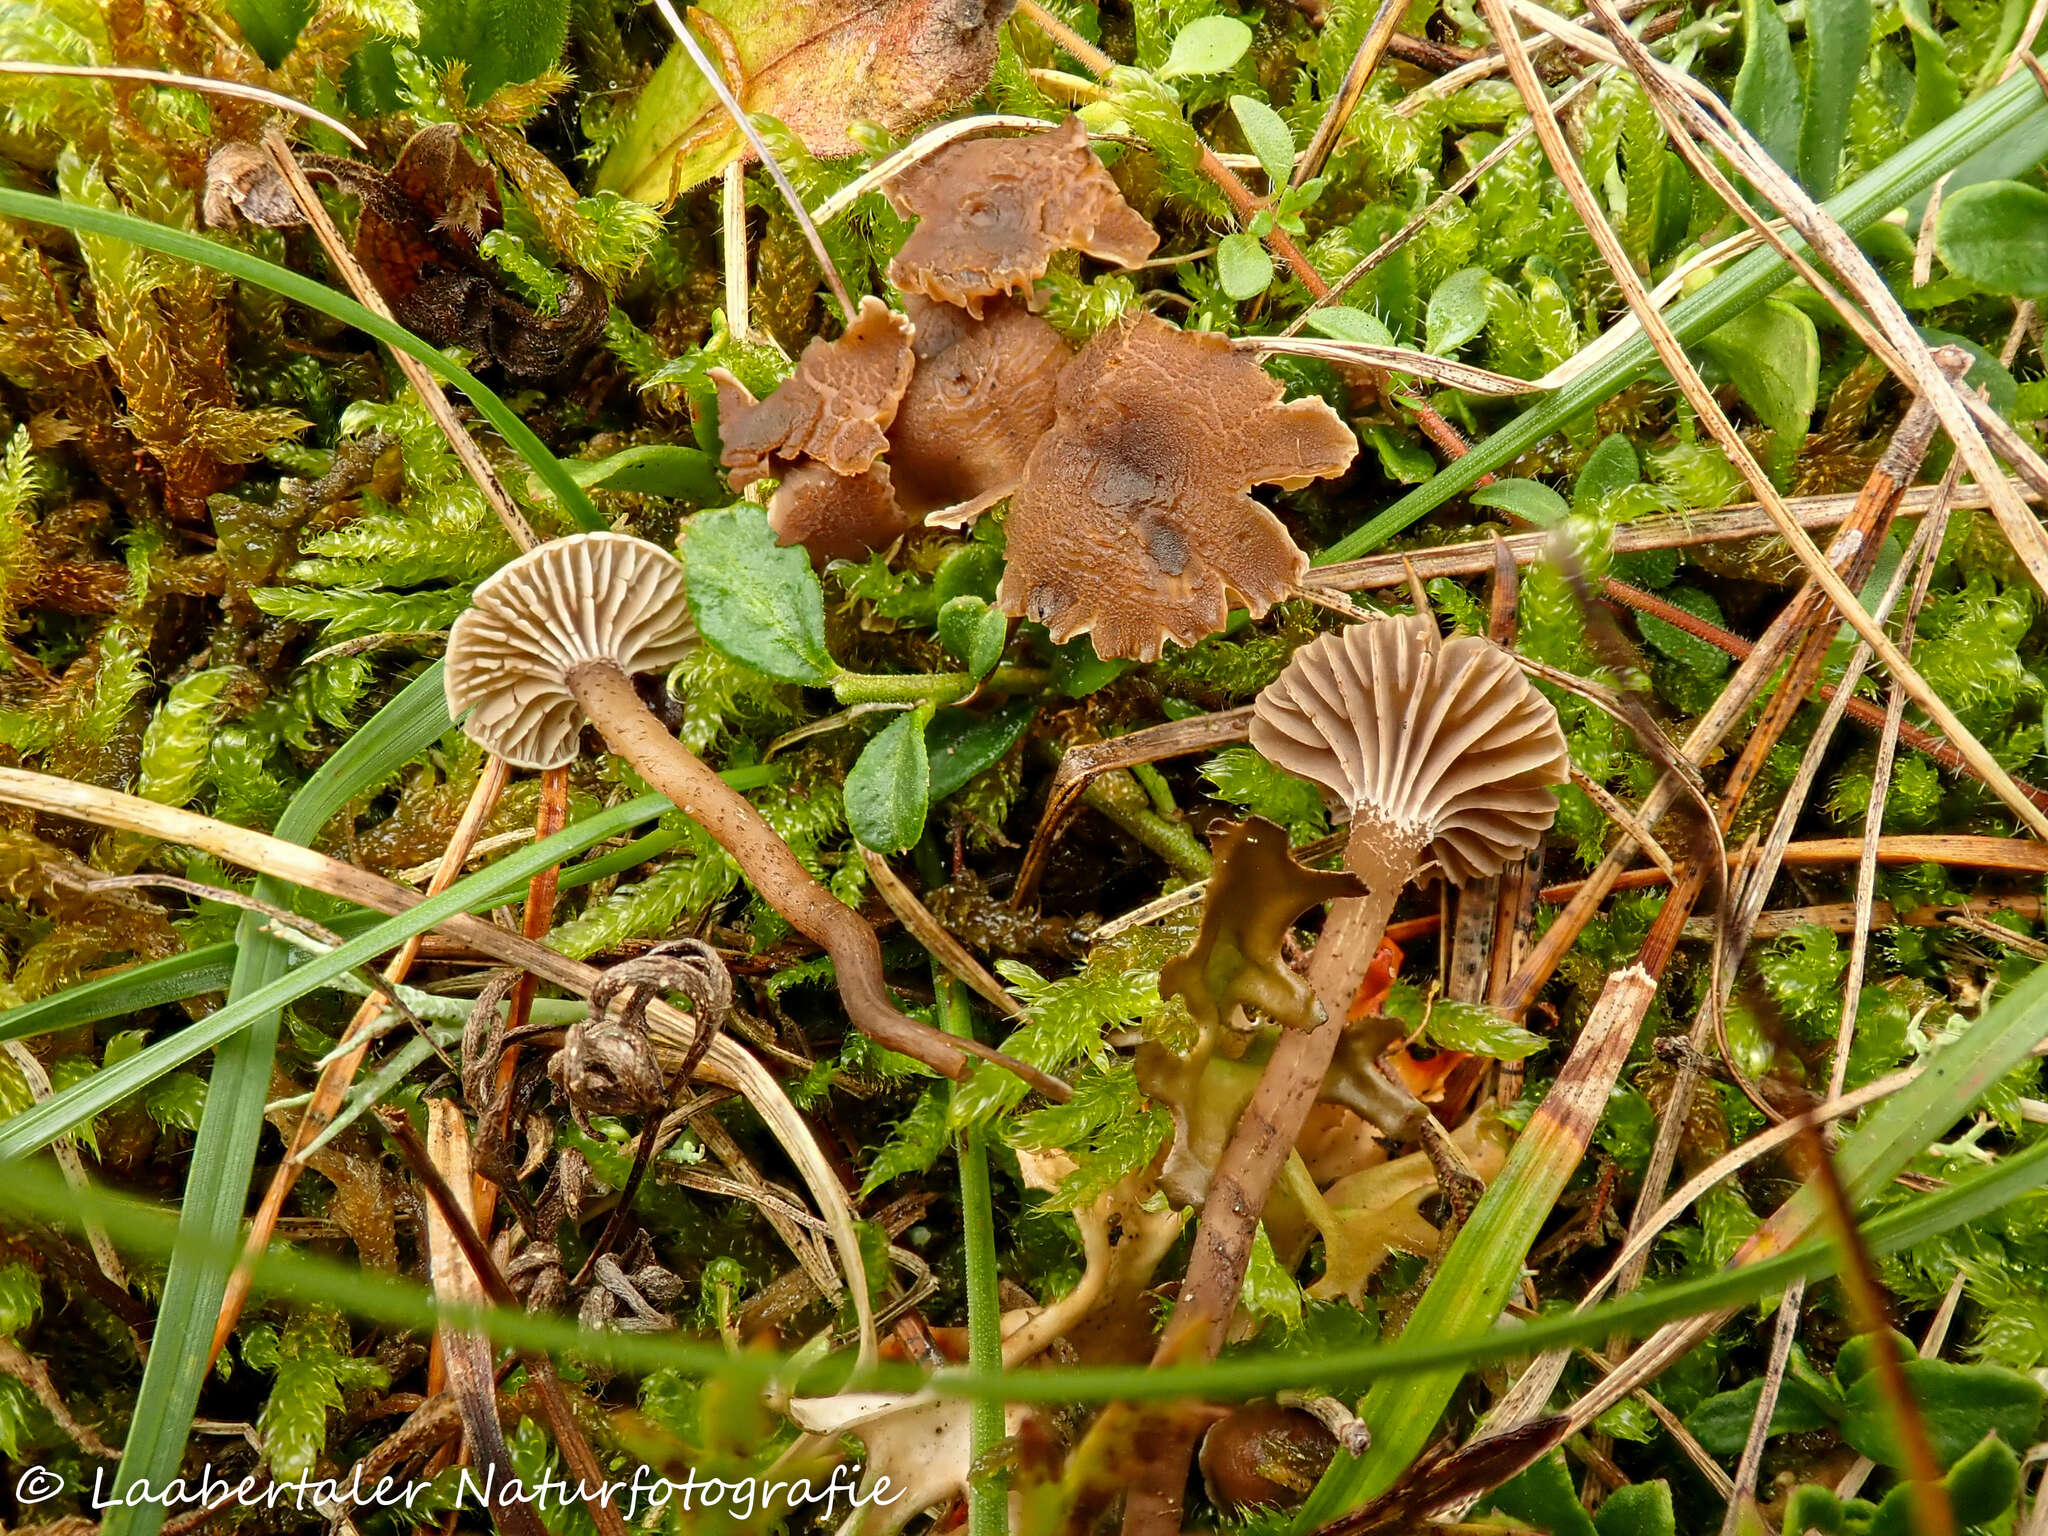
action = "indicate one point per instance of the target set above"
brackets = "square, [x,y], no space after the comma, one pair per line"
[1458,310]
[888,790]
[1530,500]
[1769,97]
[1207,46]
[271,26]
[1721,1423]
[1242,266]
[974,632]
[1610,467]
[1544,1497]
[1478,1030]
[21,1299]
[1688,651]
[1341,322]
[1980,1487]
[1640,1509]
[1837,40]
[757,602]
[1812,1508]
[959,744]
[1269,136]
[1996,235]
[1960,1404]
[501,42]
[652,469]
[1772,355]
[1269,1291]
[1936,91]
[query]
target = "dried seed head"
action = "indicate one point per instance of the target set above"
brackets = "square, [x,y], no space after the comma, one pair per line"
[594,597]
[834,408]
[991,213]
[1442,743]
[979,400]
[603,1069]
[1132,524]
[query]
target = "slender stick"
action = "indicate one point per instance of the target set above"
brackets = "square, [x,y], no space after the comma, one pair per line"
[745,124]
[202,83]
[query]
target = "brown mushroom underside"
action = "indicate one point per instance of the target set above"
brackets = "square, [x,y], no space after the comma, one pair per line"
[1132,524]
[980,398]
[836,517]
[993,211]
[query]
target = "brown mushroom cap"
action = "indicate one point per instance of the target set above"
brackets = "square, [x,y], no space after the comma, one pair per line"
[595,597]
[836,517]
[979,400]
[1132,523]
[992,212]
[1442,741]
[834,408]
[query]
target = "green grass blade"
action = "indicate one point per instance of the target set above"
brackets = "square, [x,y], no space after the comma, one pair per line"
[988,1497]
[149,1232]
[2012,107]
[246,268]
[224,1151]
[64,1111]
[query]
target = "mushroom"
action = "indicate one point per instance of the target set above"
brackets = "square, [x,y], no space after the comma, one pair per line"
[555,639]
[1441,749]
[1132,524]
[834,408]
[991,213]
[978,402]
[822,432]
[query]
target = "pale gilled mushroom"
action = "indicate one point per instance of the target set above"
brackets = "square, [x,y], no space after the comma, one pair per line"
[555,639]
[991,213]
[1441,749]
[1132,524]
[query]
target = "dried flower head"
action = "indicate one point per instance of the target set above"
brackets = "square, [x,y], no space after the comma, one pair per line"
[1132,524]
[1437,744]
[991,213]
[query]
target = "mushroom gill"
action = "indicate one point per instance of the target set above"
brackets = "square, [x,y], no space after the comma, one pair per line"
[991,213]
[1132,524]
[1442,746]
[979,400]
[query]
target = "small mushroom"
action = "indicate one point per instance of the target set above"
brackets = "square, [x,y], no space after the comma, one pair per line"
[1264,1456]
[836,517]
[979,400]
[555,639]
[835,408]
[1132,524]
[1441,749]
[991,213]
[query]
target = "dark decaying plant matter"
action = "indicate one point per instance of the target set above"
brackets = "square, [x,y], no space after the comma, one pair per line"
[1177,767]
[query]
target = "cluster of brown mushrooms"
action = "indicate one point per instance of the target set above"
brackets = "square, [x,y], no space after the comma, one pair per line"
[1126,466]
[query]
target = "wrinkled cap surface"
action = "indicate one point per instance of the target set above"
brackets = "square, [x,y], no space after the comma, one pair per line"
[1132,524]
[835,408]
[593,597]
[991,213]
[981,397]
[1444,739]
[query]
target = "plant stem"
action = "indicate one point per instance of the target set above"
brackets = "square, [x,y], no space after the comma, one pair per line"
[988,1498]
[932,687]
[1997,115]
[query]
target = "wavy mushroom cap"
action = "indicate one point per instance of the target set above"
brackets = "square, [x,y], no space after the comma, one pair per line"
[1132,524]
[991,213]
[1442,739]
[835,408]
[980,399]
[836,517]
[593,597]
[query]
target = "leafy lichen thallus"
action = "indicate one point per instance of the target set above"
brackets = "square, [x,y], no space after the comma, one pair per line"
[553,641]
[1443,754]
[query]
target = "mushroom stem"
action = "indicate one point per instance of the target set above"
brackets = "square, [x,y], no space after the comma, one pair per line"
[614,706]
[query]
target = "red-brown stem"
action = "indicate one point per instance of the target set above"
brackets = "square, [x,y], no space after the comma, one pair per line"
[1251,1164]
[613,704]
